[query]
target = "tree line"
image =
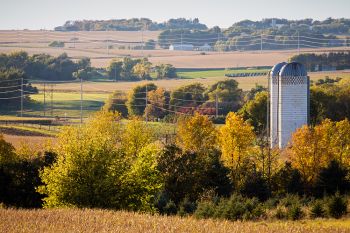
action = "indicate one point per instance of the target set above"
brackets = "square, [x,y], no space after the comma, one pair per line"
[251,35]
[134,24]
[319,62]
[329,99]
[225,96]
[128,69]
[207,171]
[44,66]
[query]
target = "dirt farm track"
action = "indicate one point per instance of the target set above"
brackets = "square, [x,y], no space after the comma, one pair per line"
[101,47]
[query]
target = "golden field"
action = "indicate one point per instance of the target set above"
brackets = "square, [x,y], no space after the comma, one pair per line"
[94,45]
[87,220]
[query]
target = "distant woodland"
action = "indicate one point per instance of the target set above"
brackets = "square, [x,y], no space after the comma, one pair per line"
[269,33]
[133,24]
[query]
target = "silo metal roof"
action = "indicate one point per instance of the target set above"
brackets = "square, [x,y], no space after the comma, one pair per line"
[276,69]
[293,69]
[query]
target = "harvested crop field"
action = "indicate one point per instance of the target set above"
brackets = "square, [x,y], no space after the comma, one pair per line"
[103,46]
[87,220]
[35,141]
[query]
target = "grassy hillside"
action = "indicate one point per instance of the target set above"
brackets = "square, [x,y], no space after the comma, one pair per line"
[86,220]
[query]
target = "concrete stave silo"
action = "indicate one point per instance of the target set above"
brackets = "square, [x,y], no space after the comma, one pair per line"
[289,101]
[273,83]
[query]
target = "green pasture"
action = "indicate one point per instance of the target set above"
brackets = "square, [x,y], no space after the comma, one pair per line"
[65,105]
[215,73]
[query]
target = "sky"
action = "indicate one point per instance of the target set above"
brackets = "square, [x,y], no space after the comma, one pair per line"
[47,14]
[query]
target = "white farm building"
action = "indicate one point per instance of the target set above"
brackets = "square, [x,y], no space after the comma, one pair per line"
[183,47]
[289,101]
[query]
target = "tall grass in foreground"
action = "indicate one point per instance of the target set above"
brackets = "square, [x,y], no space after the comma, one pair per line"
[87,220]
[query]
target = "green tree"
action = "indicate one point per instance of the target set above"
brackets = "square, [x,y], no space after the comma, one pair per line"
[227,94]
[114,70]
[165,71]
[255,112]
[136,103]
[191,95]
[117,103]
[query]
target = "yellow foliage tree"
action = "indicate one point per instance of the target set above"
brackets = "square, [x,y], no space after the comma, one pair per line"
[142,69]
[196,134]
[236,141]
[136,136]
[313,148]
[341,142]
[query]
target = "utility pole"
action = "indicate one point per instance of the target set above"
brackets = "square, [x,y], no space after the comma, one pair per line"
[146,103]
[74,38]
[22,97]
[51,100]
[107,47]
[181,40]
[298,43]
[81,101]
[115,72]
[261,43]
[142,41]
[216,105]
[44,99]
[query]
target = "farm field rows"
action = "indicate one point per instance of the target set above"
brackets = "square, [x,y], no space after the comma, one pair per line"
[94,45]
[87,220]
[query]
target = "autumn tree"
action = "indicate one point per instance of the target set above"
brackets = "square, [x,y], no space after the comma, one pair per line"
[237,141]
[312,148]
[135,136]
[94,170]
[185,97]
[165,71]
[142,69]
[117,103]
[136,102]
[158,104]
[196,134]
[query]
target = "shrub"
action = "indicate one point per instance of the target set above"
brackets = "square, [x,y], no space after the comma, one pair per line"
[337,206]
[205,209]
[271,202]
[255,185]
[170,208]
[57,44]
[295,212]
[281,212]
[186,207]
[290,200]
[317,209]
[238,207]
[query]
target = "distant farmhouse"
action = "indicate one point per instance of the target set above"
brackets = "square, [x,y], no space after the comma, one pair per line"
[183,47]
